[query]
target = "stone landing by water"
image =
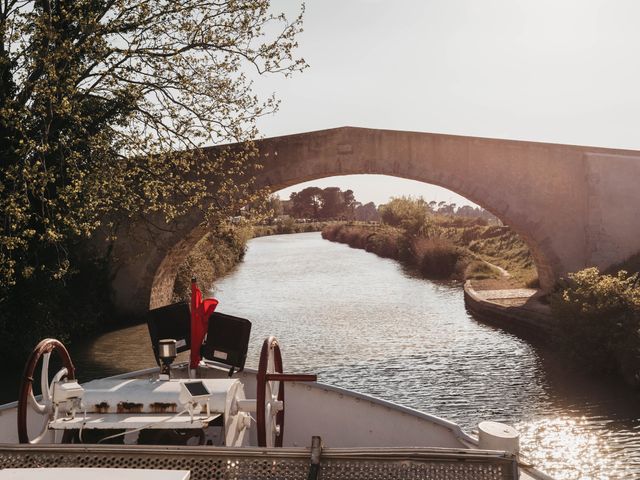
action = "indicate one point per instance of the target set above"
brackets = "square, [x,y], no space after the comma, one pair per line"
[518,310]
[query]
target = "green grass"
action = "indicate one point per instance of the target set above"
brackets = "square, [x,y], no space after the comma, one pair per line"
[480,270]
[498,245]
[451,247]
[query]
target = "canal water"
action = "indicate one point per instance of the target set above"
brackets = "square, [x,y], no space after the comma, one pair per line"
[362,322]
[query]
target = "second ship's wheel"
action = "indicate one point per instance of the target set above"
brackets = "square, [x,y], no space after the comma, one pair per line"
[270,394]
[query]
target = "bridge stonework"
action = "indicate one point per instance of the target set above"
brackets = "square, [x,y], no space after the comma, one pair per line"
[574,206]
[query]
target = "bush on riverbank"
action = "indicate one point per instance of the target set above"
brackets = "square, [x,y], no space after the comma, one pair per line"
[433,258]
[599,321]
[439,258]
[385,242]
[216,254]
[406,213]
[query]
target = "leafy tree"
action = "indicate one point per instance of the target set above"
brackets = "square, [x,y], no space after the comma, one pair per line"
[367,212]
[331,202]
[102,103]
[349,203]
[102,106]
[468,211]
[445,208]
[406,212]
[306,203]
[275,205]
[336,203]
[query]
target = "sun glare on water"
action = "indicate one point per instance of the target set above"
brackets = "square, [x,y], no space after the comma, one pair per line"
[569,450]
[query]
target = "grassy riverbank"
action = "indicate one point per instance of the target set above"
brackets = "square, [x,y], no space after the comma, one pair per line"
[455,248]
[214,256]
[289,226]
[493,244]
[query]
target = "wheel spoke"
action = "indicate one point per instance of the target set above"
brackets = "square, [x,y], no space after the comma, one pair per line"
[43,432]
[38,407]
[44,377]
[271,367]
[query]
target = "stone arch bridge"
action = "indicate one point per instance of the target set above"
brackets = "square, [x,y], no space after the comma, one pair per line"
[574,206]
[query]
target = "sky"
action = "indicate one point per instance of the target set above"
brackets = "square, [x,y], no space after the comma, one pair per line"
[560,71]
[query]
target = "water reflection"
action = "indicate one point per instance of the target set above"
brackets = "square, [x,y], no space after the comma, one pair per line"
[577,445]
[363,323]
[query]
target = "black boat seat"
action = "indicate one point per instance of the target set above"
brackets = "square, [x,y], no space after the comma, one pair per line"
[170,321]
[227,340]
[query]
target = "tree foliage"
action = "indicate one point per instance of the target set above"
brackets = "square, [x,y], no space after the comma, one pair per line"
[367,212]
[416,216]
[318,203]
[407,213]
[306,203]
[599,321]
[102,106]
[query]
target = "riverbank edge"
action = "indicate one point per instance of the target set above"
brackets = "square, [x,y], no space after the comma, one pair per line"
[531,325]
[289,228]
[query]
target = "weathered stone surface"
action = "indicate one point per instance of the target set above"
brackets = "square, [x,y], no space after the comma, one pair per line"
[574,206]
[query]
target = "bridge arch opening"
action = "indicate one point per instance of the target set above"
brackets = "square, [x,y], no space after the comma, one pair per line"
[449,217]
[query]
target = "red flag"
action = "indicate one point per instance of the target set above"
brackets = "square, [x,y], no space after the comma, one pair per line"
[200,313]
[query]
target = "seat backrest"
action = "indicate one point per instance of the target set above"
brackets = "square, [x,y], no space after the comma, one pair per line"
[171,321]
[227,340]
